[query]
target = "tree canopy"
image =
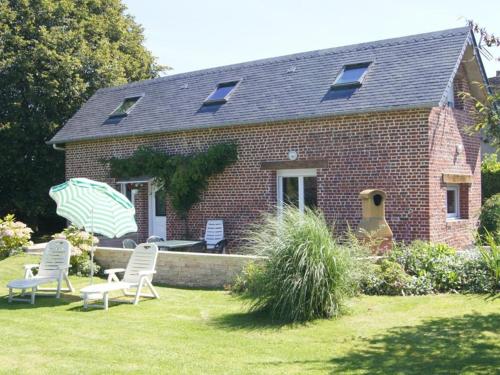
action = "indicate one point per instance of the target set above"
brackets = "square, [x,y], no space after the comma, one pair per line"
[488,111]
[53,56]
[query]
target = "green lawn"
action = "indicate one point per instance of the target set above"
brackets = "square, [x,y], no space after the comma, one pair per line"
[208,332]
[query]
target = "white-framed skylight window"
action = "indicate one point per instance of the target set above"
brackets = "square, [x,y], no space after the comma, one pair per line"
[452,202]
[222,92]
[351,75]
[125,107]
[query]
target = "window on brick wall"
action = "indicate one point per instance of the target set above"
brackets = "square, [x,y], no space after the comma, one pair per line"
[452,202]
[297,187]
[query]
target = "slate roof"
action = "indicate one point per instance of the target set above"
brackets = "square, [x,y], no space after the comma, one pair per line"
[408,72]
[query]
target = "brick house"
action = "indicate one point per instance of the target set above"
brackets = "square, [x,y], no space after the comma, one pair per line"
[314,128]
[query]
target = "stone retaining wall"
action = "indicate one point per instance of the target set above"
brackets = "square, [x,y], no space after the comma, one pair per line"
[183,269]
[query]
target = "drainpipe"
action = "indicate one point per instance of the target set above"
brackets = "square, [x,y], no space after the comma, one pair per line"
[56,147]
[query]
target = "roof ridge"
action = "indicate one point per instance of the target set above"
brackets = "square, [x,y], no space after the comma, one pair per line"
[297,56]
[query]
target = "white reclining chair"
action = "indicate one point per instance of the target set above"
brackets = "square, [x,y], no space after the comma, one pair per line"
[52,268]
[139,273]
[214,236]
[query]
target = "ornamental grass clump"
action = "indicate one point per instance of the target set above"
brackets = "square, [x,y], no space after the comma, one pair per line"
[307,274]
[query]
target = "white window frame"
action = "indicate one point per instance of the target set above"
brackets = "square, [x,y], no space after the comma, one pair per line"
[456,214]
[300,173]
[123,190]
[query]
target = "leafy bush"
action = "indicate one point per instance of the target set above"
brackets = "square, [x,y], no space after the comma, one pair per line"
[81,243]
[250,281]
[14,236]
[474,275]
[491,258]
[307,274]
[490,217]
[424,268]
[490,176]
[418,257]
[385,278]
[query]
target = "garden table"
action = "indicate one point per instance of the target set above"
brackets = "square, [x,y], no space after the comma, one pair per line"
[178,245]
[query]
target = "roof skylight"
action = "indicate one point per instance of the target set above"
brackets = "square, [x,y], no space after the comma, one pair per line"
[351,75]
[126,106]
[221,93]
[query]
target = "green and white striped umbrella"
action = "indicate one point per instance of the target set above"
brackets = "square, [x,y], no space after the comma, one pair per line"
[95,207]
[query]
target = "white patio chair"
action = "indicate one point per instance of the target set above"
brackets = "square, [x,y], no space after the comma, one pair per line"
[139,273]
[214,236]
[53,267]
[152,239]
[129,243]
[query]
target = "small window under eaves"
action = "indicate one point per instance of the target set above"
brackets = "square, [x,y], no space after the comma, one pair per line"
[351,75]
[126,106]
[221,93]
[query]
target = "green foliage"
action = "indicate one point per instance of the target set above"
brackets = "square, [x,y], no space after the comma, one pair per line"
[490,217]
[487,117]
[307,275]
[424,268]
[250,281]
[81,242]
[14,236]
[183,177]
[490,176]
[491,257]
[419,258]
[387,278]
[53,56]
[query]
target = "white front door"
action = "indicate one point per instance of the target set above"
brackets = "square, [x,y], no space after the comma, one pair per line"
[157,212]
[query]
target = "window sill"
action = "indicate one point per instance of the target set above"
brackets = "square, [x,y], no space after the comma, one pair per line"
[456,220]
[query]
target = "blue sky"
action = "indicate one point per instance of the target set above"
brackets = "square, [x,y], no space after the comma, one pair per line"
[190,35]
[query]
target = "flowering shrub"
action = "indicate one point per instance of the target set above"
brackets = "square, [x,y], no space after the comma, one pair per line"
[425,268]
[81,243]
[14,235]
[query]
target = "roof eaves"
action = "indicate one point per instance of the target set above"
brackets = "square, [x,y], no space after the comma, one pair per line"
[449,85]
[480,61]
[229,124]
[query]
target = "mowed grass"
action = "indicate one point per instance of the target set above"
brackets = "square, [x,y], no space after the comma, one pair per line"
[209,332]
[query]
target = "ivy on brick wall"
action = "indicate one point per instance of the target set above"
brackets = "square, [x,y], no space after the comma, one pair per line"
[183,177]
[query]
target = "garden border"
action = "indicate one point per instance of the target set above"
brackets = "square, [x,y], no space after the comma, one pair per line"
[200,270]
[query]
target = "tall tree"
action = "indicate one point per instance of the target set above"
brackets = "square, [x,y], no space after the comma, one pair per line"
[487,111]
[54,54]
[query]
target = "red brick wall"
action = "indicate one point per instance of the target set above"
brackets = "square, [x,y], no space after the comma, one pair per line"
[382,150]
[447,129]
[403,153]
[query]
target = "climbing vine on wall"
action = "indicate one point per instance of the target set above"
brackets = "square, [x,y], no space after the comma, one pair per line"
[183,177]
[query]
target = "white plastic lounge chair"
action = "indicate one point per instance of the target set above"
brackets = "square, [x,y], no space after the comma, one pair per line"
[139,272]
[214,236]
[52,268]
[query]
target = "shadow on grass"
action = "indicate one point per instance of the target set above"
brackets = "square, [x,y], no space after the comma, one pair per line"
[253,320]
[442,346]
[41,300]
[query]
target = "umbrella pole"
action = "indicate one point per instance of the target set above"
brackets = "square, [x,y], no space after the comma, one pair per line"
[92,246]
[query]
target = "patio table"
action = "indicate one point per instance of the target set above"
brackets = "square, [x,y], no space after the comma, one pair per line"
[177,245]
